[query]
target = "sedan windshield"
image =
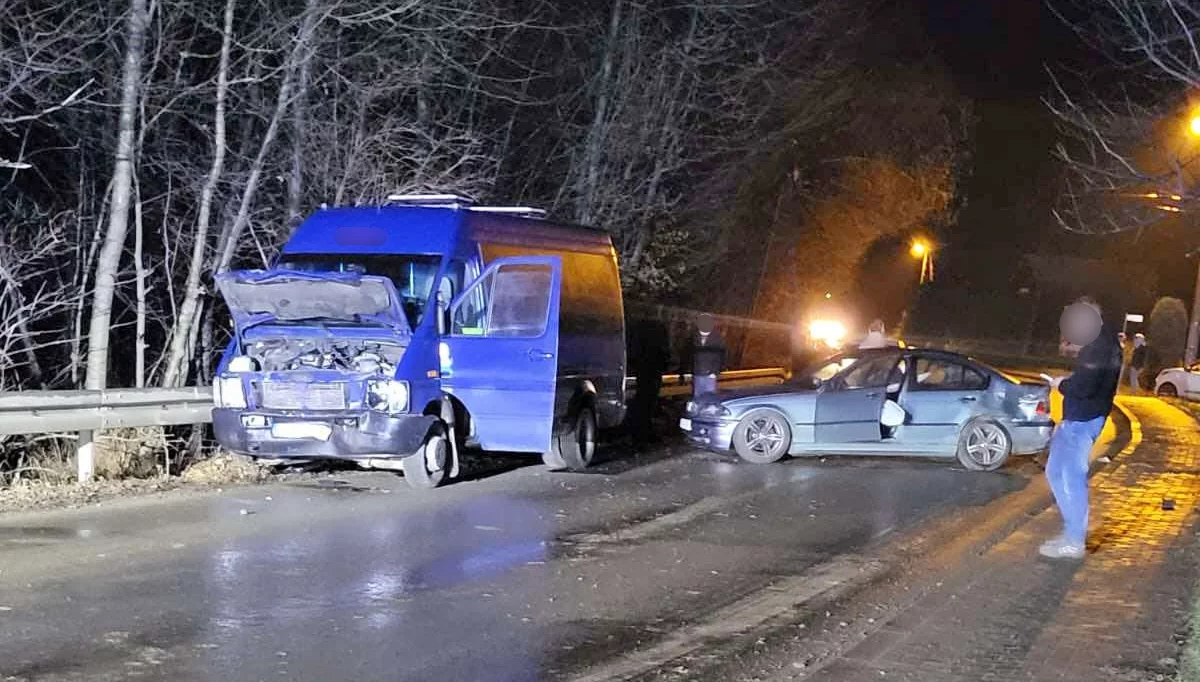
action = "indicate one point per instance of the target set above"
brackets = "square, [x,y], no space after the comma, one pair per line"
[413,276]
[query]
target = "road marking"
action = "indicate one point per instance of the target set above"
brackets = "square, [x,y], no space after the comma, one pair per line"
[741,616]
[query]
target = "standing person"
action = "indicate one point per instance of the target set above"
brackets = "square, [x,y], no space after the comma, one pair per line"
[876,337]
[1137,362]
[650,353]
[1087,399]
[707,355]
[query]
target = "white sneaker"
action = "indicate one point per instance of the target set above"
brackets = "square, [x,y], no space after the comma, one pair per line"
[1061,548]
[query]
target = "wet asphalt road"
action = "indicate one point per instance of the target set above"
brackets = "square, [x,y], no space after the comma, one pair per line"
[522,575]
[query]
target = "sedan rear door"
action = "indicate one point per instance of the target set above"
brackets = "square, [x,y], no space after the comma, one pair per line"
[942,395]
[849,405]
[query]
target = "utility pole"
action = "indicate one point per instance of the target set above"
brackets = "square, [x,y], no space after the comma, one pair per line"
[1193,337]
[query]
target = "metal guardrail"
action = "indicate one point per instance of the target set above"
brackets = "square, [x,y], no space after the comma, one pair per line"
[49,411]
[29,412]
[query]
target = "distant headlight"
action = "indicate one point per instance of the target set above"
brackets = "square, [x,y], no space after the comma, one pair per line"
[714,410]
[228,393]
[387,395]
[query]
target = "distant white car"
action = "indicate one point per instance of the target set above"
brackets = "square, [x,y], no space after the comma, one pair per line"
[1179,381]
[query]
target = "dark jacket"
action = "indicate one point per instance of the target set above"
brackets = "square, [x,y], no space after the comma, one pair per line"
[1088,394]
[707,354]
[1138,360]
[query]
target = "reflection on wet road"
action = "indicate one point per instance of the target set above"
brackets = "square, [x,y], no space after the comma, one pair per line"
[522,576]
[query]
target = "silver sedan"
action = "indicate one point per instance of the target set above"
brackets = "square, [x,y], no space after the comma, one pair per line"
[880,402]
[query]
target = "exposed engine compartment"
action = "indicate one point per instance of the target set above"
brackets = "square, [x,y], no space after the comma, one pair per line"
[361,356]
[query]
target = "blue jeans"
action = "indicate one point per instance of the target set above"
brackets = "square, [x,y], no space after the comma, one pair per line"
[1067,471]
[703,385]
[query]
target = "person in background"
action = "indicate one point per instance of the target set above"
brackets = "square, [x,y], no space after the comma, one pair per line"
[1088,396]
[877,337]
[707,356]
[649,355]
[1137,362]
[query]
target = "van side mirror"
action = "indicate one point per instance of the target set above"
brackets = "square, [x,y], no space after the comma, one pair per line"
[443,314]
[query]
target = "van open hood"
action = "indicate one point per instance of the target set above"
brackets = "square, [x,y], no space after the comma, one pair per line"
[256,297]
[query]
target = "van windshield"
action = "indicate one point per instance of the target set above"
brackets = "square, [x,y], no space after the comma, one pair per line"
[412,275]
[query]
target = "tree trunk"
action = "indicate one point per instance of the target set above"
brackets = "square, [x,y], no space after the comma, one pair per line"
[227,244]
[139,269]
[182,339]
[594,147]
[299,138]
[109,261]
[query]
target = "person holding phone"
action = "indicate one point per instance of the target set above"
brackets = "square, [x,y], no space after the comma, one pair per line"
[1088,395]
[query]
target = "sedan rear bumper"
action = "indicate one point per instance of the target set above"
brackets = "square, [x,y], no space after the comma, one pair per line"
[713,435]
[1030,439]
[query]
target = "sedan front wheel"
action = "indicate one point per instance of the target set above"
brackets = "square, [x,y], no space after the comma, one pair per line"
[762,437]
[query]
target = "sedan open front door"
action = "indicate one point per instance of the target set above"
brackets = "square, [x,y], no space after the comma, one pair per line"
[849,406]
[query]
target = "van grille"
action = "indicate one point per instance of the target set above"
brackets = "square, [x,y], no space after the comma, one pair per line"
[286,395]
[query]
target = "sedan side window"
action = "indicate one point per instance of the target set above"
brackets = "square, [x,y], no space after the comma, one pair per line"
[870,373]
[943,375]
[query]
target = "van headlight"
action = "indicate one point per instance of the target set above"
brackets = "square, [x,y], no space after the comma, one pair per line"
[228,393]
[387,395]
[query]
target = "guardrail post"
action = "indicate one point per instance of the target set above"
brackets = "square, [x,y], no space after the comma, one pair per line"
[85,456]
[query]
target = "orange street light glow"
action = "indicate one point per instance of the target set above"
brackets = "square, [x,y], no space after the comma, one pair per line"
[1194,125]
[919,249]
[1169,209]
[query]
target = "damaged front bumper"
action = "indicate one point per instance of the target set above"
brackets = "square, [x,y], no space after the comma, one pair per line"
[711,434]
[364,434]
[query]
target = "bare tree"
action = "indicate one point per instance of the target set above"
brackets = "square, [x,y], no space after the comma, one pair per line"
[109,261]
[188,316]
[1125,138]
[227,243]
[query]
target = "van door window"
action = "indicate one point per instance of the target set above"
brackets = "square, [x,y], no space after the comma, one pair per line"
[512,301]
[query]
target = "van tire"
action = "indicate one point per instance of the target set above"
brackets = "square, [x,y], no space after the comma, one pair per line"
[426,468]
[575,447]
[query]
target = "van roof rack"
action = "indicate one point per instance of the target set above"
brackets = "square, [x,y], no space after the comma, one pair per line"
[521,211]
[441,200]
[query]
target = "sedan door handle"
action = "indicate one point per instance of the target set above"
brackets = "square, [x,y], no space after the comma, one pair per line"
[968,399]
[535,354]
[874,395]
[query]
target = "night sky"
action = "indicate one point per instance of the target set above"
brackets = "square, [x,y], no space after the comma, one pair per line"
[998,51]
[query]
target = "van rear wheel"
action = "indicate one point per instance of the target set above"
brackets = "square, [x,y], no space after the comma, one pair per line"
[426,468]
[575,447]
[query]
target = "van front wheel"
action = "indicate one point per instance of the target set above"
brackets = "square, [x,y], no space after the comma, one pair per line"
[575,447]
[426,468]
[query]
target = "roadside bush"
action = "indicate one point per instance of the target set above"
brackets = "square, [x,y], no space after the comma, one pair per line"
[1166,336]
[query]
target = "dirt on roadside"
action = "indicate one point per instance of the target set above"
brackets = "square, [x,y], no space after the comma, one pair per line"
[218,470]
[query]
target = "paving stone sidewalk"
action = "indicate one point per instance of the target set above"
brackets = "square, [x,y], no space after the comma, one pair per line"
[1120,615]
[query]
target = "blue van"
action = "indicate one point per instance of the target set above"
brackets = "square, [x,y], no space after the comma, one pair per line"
[394,336]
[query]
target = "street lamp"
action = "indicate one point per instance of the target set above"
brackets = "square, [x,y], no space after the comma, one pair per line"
[923,250]
[1194,125]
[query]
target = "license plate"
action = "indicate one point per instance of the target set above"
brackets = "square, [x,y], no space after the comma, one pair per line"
[301,430]
[685,424]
